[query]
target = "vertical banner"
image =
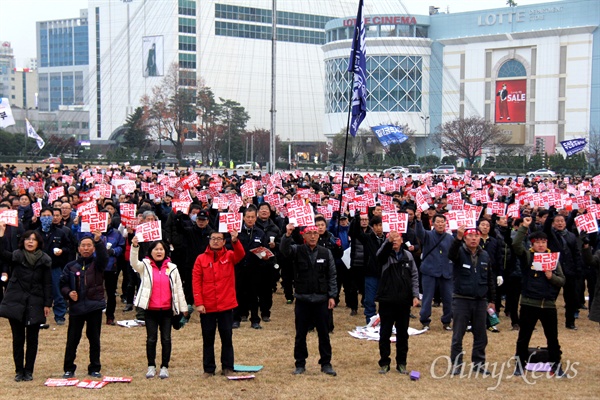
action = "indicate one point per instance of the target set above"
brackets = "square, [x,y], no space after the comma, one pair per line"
[511,101]
[153,56]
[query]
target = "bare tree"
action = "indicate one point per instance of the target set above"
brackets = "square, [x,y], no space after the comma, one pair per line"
[172,110]
[467,138]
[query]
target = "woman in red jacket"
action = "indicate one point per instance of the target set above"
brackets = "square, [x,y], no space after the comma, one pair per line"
[213,284]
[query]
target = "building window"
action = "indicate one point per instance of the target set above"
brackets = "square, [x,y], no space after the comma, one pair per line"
[394,84]
[512,69]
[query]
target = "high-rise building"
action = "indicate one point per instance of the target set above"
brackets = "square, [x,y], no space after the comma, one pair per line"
[26,89]
[62,57]
[7,65]
[225,44]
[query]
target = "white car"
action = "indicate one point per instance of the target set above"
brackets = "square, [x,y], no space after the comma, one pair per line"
[396,171]
[444,170]
[248,166]
[541,172]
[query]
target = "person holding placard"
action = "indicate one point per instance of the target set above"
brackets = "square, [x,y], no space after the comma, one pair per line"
[540,289]
[161,296]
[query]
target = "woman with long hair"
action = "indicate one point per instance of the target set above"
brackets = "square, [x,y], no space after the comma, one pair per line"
[161,296]
[28,297]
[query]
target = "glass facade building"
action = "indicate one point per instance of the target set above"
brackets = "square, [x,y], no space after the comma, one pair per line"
[63,58]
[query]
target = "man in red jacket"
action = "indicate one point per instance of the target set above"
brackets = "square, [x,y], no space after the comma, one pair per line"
[213,285]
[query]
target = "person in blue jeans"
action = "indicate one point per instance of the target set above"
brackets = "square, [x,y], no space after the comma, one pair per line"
[436,268]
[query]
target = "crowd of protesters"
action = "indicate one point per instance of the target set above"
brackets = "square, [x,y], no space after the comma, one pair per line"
[230,280]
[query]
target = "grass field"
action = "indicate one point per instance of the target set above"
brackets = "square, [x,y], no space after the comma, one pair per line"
[123,354]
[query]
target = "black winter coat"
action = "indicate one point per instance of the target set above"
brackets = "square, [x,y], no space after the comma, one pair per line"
[29,289]
[86,276]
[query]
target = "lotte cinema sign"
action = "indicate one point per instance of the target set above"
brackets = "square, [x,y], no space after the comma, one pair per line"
[511,101]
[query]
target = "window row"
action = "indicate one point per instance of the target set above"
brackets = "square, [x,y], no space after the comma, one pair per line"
[394,84]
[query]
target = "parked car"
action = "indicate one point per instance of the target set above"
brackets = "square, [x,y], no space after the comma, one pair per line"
[444,170]
[396,170]
[51,160]
[168,161]
[247,166]
[541,172]
[414,169]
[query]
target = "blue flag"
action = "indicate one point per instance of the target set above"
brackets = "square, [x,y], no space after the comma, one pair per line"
[573,146]
[389,134]
[358,66]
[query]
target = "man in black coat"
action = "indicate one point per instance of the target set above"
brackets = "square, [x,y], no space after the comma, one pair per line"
[82,282]
[563,241]
[315,291]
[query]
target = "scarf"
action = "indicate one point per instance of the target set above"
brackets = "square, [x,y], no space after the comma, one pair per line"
[32,257]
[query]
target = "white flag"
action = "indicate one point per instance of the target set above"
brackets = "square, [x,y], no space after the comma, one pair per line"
[33,134]
[6,117]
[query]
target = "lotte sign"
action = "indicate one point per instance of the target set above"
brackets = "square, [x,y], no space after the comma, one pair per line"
[384,20]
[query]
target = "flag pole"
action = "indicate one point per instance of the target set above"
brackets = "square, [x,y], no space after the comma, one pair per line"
[358,98]
[344,163]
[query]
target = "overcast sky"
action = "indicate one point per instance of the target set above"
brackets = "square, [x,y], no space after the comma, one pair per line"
[18,17]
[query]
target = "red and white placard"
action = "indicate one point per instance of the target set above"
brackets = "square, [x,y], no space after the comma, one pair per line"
[230,221]
[545,261]
[149,231]
[395,222]
[586,223]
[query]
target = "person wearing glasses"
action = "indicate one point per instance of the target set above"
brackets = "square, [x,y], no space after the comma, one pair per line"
[213,286]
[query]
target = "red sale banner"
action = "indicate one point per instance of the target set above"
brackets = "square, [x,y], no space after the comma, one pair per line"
[545,261]
[231,221]
[511,101]
[586,223]
[149,231]
[395,222]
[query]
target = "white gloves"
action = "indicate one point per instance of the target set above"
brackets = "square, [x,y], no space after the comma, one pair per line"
[499,281]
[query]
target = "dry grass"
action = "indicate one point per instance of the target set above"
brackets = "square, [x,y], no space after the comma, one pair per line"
[123,354]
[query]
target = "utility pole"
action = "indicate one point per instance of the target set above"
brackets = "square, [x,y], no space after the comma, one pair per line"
[425,118]
[272,153]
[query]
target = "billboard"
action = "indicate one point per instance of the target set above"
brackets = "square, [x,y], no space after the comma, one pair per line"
[152,56]
[511,101]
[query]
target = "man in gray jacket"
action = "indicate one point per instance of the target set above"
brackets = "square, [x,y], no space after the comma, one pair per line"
[436,268]
[315,288]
